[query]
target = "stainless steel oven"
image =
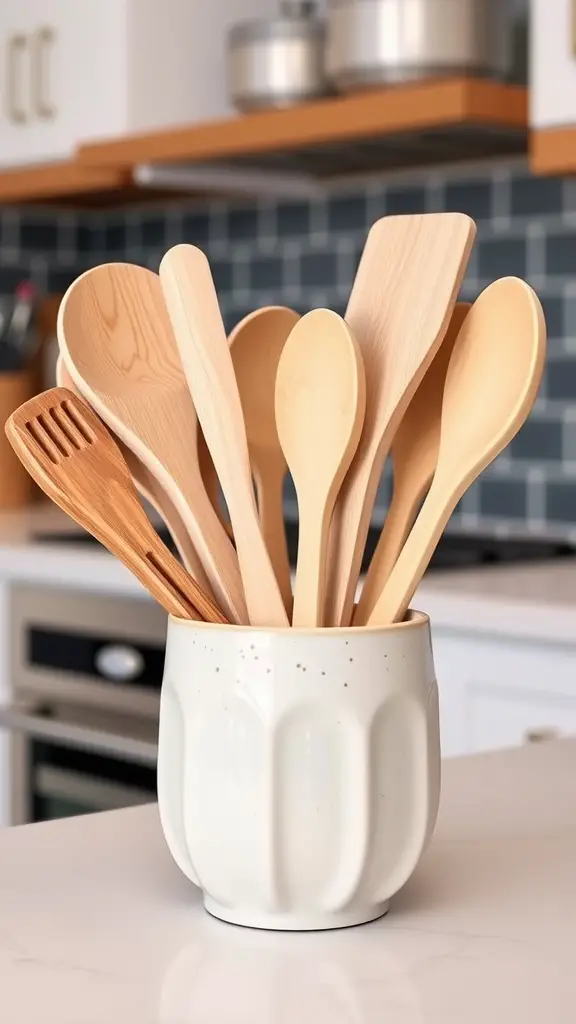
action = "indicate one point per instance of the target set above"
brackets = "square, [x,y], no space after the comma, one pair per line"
[86,671]
[69,760]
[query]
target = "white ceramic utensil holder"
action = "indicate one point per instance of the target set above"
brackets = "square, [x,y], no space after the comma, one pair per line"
[298,770]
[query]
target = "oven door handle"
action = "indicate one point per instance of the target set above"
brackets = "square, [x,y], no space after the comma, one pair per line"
[127,748]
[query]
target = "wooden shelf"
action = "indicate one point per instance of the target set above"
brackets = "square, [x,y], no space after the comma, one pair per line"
[417,124]
[553,151]
[55,181]
[73,184]
[395,127]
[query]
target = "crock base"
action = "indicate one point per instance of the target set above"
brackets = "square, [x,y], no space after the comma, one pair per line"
[295,922]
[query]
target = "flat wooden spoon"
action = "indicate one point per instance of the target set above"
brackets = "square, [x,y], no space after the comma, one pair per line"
[320,402]
[115,336]
[400,307]
[151,491]
[414,455]
[491,384]
[210,479]
[73,458]
[201,338]
[256,344]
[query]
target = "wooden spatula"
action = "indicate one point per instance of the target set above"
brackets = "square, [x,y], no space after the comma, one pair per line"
[201,338]
[148,486]
[73,458]
[399,310]
[414,455]
[491,384]
[256,344]
[320,401]
[115,336]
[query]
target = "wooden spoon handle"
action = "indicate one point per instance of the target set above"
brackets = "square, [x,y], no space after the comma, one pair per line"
[311,576]
[175,582]
[415,556]
[399,520]
[193,307]
[171,518]
[210,479]
[269,480]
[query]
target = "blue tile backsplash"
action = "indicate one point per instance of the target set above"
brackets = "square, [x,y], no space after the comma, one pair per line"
[304,254]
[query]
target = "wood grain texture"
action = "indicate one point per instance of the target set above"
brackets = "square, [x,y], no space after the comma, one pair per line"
[320,403]
[75,461]
[211,482]
[115,336]
[148,487]
[399,310]
[491,384]
[256,344]
[371,114]
[414,456]
[193,308]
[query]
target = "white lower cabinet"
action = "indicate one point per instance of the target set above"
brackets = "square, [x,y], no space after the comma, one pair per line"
[502,692]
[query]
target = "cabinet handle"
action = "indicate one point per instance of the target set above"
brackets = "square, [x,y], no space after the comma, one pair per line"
[17,46]
[541,735]
[44,40]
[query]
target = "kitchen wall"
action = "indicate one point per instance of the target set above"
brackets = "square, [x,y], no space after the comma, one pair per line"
[304,254]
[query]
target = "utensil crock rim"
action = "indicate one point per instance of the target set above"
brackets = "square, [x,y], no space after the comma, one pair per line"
[417,620]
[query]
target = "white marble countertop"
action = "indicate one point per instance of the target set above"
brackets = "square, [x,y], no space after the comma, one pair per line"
[97,926]
[530,600]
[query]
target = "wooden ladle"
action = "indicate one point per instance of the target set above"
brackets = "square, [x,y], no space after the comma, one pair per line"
[256,344]
[414,455]
[320,402]
[118,344]
[491,385]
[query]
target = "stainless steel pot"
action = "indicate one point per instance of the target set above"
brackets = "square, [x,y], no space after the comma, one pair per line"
[279,61]
[384,41]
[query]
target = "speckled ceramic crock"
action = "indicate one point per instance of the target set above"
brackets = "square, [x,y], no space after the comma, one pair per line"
[298,771]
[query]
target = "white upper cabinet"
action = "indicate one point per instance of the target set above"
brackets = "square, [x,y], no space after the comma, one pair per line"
[552,63]
[74,70]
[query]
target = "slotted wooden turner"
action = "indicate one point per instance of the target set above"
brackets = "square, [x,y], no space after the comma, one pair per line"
[115,336]
[73,458]
[150,489]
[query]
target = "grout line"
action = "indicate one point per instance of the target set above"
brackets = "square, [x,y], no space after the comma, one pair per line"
[435,188]
[240,276]
[501,199]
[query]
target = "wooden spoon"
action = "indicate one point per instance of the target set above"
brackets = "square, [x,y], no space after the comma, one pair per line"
[414,454]
[150,489]
[399,310]
[73,458]
[116,339]
[491,384]
[256,344]
[193,307]
[210,480]
[320,402]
